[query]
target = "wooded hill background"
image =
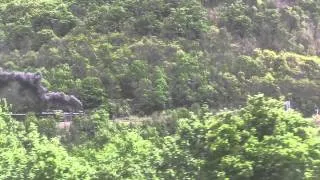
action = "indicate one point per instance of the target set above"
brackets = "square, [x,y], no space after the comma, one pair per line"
[138,57]
[179,63]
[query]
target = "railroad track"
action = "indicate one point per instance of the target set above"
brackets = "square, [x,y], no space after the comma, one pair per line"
[67,116]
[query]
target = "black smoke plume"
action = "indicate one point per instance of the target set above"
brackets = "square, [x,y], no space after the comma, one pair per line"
[33,81]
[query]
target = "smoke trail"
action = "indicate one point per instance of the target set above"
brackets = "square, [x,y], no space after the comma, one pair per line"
[59,98]
[33,81]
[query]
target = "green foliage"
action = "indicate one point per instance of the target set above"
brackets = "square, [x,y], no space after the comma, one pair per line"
[27,155]
[161,92]
[165,58]
[127,155]
[13,155]
[262,141]
[92,92]
[149,56]
[236,18]
[48,159]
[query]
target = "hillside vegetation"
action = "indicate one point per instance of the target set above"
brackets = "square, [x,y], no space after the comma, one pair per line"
[139,57]
[193,67]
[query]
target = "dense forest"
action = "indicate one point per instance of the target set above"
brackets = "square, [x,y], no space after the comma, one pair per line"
[171,89]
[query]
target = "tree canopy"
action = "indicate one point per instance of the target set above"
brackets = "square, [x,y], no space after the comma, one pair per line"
[182,89]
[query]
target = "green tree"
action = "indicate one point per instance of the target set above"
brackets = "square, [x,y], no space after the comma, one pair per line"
[14,157]
[161,90]
[92,92]
[25,154]
[262,141]
[127,155]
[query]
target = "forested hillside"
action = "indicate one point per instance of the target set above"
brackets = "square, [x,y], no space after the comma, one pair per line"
[138,57]
[192,68]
